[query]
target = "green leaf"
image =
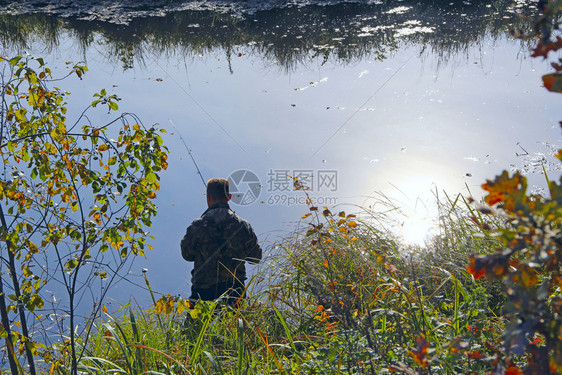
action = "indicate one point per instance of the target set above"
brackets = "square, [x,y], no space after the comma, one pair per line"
[113,106]
[37,301]
[15,60]
[32,78]
[151,177]
[71,264]
[74,205]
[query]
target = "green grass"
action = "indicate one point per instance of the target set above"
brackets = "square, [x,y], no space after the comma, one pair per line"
[346,297]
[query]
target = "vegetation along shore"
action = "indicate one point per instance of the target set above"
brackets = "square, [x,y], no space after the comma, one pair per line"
[345,296]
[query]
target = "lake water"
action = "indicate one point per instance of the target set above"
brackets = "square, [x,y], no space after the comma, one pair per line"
[357,98]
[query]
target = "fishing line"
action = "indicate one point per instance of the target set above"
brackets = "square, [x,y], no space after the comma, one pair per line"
[190,154]
[204,110]
[360,107]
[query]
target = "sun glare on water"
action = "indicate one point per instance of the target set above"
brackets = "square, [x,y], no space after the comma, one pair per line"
[416,229]
[411,206]
[418,211]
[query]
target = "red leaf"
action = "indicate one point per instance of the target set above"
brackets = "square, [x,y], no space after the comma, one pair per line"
[419,353]
[506,190]
[543,49]
[553,82]
[476,272]
[475,355]
[513,370]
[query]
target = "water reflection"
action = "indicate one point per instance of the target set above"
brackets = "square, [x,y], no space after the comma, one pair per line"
[405,98]
[286,37]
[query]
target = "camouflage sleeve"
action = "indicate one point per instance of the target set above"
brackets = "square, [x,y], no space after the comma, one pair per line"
[188,242]
[252,247]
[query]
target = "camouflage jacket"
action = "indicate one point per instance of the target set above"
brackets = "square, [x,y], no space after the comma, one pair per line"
[219,242]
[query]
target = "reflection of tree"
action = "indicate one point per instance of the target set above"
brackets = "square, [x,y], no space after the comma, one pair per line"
[285,37]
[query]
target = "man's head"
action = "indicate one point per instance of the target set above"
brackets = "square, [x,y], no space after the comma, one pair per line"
[218,190]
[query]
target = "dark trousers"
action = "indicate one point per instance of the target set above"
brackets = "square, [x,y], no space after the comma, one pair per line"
[231,291]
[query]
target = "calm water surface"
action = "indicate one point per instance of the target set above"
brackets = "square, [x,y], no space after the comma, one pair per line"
[360,99]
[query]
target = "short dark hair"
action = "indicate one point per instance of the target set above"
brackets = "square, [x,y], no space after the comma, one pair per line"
[218,189]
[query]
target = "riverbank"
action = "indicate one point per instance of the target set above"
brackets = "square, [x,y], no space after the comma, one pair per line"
[346,297]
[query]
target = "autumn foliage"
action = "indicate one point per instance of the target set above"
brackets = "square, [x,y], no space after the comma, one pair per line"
[544,26]
[76,197]
[529,262]
[529,266]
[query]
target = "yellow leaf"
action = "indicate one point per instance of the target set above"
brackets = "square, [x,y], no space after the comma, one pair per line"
[194,313]
[181,307]
[159,306]
[104,309]
[352,224]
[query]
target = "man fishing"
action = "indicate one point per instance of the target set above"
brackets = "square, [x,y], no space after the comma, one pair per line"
[219,242]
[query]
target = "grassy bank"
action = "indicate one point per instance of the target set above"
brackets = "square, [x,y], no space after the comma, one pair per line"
[345,297]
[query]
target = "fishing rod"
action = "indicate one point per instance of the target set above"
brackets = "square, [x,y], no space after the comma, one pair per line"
[190,154]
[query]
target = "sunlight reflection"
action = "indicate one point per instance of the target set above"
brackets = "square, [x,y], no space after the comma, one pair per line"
[416,229]
[415,196]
